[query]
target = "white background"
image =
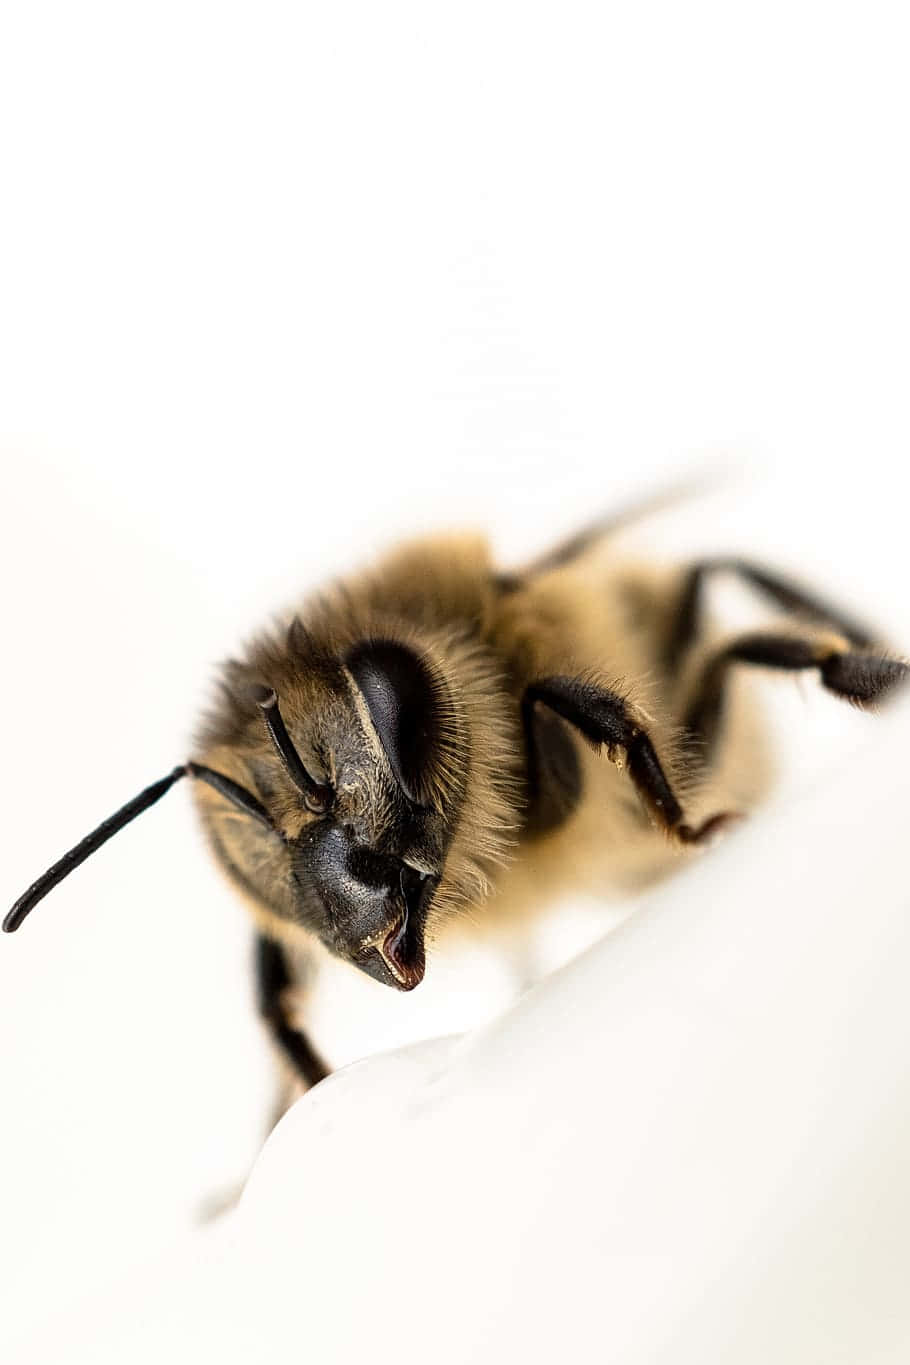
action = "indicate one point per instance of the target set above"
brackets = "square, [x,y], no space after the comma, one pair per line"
[280,283]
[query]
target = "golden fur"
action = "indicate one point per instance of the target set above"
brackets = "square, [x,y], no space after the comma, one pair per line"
[595,617]
[455,746]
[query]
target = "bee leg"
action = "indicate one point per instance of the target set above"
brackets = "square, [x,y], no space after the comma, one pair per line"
[273,975]
[606,720]
[687,616]
[861,676]
[553,769]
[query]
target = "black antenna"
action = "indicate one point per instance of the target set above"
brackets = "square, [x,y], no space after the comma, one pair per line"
[114,823]
[234,792]
[267,700]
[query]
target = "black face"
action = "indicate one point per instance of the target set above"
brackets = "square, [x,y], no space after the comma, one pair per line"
[352,847]
[374,904]
[352,786]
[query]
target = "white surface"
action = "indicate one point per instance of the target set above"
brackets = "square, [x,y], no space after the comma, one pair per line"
[279,286]
[688,1145]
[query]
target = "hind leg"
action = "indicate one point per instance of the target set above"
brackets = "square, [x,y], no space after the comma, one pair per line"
[858,675]
[687,619]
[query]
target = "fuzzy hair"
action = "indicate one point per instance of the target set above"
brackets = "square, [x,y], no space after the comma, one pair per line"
[430,599]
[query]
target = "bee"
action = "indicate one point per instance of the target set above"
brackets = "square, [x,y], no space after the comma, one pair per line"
[435,742]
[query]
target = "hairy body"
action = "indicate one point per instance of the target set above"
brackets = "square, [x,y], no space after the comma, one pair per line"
[510,736]
[434,747]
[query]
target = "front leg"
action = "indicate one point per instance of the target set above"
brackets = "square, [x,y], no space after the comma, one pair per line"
[607,720]
[274,978]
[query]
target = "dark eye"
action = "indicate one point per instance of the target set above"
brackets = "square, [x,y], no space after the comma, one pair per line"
[318,799]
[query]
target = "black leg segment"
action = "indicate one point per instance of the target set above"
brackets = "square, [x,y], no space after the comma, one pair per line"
[273,977]
[857,675]
[686,623]
[605,720]
[553,768]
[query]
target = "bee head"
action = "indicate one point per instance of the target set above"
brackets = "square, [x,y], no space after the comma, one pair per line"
[361,758]
[356,782]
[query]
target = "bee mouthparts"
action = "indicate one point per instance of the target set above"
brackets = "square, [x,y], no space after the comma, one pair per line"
[393,950]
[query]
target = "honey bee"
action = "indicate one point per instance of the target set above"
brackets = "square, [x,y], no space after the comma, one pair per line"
[436,742]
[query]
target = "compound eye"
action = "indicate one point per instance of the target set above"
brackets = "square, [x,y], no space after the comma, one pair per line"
[408,709]
[319,800]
